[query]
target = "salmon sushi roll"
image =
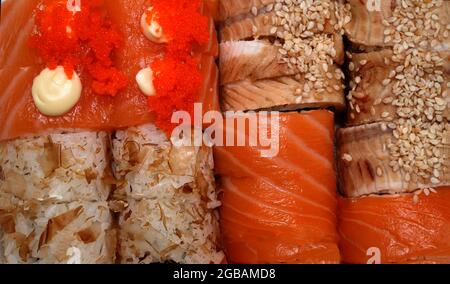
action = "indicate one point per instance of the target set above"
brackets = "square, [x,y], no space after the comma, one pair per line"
[406,228]
[56,102]
[165,195]
[75,76]
[281,209]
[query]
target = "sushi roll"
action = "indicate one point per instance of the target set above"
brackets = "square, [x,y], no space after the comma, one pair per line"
[375,23]
[375,81]
[87,86]
[165,195]
[397,138]
[73,233]
[393,154]
[281,56]
[58,80]
[269,61]
[141,102]
[406,228]
[282,209]
[366,167]
[59,167]
[171,200]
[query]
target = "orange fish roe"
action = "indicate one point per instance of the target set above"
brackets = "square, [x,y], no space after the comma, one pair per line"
[83,38]
[182,23]
[177,77]
[176,83]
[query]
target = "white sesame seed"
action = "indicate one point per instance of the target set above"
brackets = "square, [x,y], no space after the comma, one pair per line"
[254,11]
[435,180]
[379,172]
[385,114]
[347,157]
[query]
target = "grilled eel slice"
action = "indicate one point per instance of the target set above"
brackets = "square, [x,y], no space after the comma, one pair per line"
[364,162]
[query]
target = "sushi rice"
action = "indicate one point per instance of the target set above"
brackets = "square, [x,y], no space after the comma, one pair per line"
[58,167]
[53,199]
[76,232]
[171,199]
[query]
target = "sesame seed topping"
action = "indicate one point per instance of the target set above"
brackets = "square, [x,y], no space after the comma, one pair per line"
[306,29]
[416,108]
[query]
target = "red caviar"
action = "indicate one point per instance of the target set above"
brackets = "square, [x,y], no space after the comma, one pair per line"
[177,77]
[83,38]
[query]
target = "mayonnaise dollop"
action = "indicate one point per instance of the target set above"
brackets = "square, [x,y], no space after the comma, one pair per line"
[144,79]
[54,93]
[152,31]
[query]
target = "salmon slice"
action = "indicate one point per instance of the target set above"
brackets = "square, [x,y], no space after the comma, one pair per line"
[364,163]
[367,26]
[232,8]
[264,232]
[209,94]
[369,99]
[18,114]
[138,52]
[266,24]
[208,9]
[213,8]
[259,59]
[20,117]
[403,228]
[20,65]
[15,27]
[283,93]
[281,209]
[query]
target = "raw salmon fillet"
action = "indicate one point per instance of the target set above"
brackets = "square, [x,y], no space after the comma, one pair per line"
[19,64]
[403,230]
[130,106]
[213,7]
[282,209]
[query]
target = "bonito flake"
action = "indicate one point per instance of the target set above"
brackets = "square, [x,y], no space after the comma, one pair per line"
[170,199]
[76,232]
[57,167]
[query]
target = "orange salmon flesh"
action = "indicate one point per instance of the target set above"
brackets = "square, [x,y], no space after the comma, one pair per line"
[282,209]
[397,228]
[19,65]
